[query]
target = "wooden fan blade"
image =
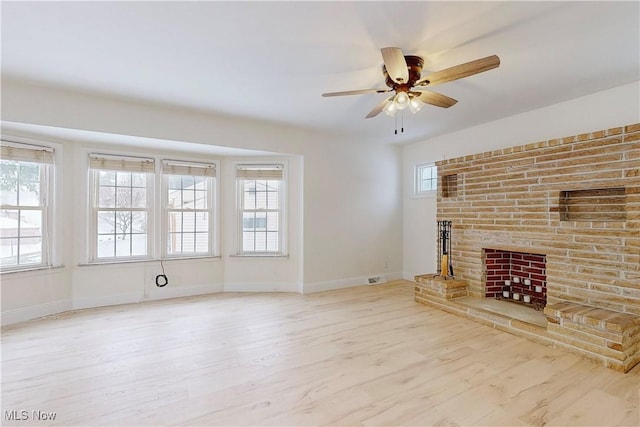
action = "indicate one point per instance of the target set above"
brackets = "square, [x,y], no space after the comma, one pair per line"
[356,92]
[436,99]
[395,64]
[461,71]
[378,109]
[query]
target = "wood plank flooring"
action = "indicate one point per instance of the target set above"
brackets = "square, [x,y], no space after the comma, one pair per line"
[362,356]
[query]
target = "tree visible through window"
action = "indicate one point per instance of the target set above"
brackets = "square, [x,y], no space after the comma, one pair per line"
[23,213]
[121,206]
[122,215]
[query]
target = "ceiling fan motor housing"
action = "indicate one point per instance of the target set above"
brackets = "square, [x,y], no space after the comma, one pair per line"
[414,65]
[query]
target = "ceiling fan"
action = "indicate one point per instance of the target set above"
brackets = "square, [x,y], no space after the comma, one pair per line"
[403,76]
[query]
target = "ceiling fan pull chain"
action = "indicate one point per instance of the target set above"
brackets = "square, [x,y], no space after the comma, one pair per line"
[396,119]
[402,122]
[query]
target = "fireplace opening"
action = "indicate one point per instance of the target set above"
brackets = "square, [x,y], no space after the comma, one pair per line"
[517,277]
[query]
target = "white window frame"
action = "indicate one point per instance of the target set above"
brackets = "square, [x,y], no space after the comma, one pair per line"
[44,156]
[188,168]
[93,206]
[282,208]
[417,180]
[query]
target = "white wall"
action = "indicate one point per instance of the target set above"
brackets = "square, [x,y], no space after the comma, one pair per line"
[345,226]
[31,294]
[615,107]
[349,215]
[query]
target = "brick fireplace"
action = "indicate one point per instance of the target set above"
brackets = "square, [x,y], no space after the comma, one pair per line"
[574,201]
[515,276]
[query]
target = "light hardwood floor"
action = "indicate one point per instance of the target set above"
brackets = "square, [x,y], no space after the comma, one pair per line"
[362,356]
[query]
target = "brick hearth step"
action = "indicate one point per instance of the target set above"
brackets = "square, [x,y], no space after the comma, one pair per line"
[616,336]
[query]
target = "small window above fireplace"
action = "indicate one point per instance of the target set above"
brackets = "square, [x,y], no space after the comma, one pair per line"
[425,179]
[603,204]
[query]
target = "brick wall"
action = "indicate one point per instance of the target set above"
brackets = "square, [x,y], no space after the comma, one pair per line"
[497,265]
[507,265]
[529,199]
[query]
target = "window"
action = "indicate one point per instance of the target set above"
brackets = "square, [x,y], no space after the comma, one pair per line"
[189,207]
[426,179]
[121,206]
[261,213]
[25,186]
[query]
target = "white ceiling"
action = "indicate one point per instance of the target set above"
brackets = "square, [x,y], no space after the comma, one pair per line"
[272,61]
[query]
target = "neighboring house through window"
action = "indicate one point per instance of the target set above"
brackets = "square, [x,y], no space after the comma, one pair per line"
[25,219]
[189,207]
[261,213]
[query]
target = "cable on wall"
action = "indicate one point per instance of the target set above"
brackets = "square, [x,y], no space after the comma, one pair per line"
[161,279]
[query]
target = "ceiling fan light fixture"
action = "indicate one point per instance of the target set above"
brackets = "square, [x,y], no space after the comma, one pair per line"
[415,104]
[402,100]
[391,108]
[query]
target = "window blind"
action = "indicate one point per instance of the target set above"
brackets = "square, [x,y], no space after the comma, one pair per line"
[26,153]
[119,163]
[260,172]
[171,167]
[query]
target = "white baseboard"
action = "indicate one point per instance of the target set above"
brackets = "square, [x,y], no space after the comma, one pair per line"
[56,307]
[154,295]
[331,285]
[390,277]
[106,300]
[181,291]
[35,311]
[261,287]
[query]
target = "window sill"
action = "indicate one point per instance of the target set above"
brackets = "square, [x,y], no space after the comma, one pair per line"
[138,261]
[189,258]
[32,269]
[258,255]
[430,195]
